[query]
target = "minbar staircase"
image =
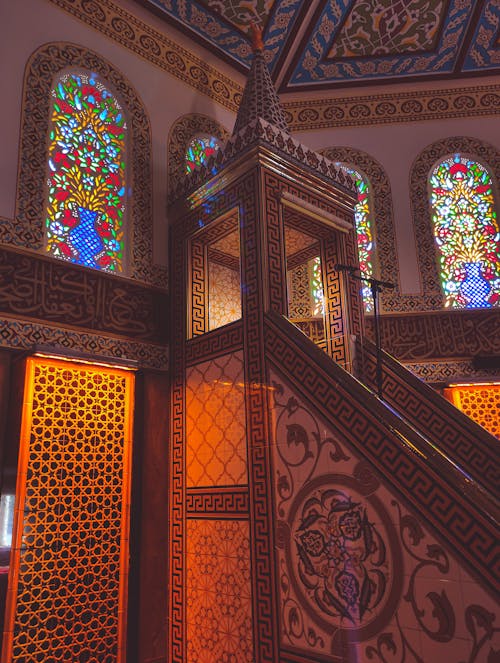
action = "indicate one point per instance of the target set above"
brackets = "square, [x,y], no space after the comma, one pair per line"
[439,461]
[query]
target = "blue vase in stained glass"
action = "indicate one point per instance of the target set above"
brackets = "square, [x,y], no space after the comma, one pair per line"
[85,239]
[475,288]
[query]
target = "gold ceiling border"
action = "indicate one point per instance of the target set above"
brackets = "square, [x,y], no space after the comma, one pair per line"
[391,108]
[364,110]
[139,37]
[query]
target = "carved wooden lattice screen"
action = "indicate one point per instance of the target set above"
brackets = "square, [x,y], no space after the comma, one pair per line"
[480,402]
[68,575]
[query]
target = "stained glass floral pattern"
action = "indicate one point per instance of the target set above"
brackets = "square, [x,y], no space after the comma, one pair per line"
[364,233]
[466,232]
[86,174]
[317,287]
[199,150]
[366,246]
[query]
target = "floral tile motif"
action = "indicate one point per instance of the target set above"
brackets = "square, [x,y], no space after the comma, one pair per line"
[372,28]
[215,423]
[360,576]
[219,606]
[225,25]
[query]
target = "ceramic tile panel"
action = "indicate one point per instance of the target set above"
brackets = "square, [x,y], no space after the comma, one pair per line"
[224,295]
[359,573]
[219,607]
[215,423]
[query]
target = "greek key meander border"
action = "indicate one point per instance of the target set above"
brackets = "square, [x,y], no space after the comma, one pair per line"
[26,229]
[364,110]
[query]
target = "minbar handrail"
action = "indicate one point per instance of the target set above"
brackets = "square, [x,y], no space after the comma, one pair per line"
[293,353]
[461,438]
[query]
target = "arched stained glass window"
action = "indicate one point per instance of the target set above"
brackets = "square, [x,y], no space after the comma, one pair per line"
[364,233]
[199,150]
[86,174]
[317,287]
[466,232]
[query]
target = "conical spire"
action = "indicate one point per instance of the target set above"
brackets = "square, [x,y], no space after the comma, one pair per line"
[260,99]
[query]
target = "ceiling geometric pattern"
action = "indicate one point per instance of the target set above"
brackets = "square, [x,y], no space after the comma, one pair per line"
[328,44]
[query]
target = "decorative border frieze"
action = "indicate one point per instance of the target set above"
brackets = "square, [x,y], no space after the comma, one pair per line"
[451,371]
[366,110]
[302,115]
[135,35]
[48,290]
[22,335]
[219,502]
[449,335]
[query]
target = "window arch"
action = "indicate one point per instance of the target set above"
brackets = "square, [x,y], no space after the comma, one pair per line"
[182,132]
[27,229]
[466,232]
[199,150]
[374,221]
[363,219]
[433,295]
[86,174]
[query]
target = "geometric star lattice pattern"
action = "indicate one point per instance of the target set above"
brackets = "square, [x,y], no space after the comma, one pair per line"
[68,572]
[215,423]
[479,402]
[219,603]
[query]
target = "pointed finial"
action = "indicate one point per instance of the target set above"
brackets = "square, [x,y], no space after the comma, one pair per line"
[256,32]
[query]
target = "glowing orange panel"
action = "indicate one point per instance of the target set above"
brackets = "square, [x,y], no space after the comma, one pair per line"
[68,574]
[480,402]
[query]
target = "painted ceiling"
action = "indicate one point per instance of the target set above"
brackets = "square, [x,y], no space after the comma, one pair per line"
[328,44]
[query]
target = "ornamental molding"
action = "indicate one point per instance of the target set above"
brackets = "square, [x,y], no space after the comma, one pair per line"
[301,115]
[16,334]
[366,110]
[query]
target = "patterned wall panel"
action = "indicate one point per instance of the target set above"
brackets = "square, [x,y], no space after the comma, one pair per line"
[439,491]
[39,288]
[68,575]
[359,573]
[215,423]
[219,600]
[479,402]
[28,226]
[224,295]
